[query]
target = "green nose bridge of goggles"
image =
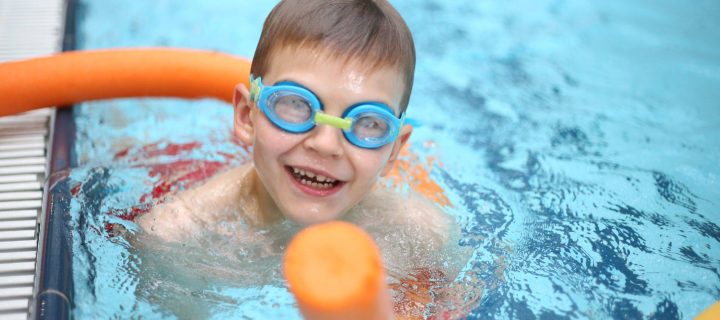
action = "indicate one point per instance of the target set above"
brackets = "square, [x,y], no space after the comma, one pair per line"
[320,117]
[337,122]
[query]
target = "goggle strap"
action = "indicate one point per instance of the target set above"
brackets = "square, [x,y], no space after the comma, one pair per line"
[255,88]
[336,122]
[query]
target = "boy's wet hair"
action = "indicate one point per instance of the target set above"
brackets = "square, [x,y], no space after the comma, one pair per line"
[368,32]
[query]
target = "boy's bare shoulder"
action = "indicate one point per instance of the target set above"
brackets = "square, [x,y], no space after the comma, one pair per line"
[192,211]
[407,210]
[411,231]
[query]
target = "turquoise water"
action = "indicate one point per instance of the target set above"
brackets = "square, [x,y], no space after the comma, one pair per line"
[574,138]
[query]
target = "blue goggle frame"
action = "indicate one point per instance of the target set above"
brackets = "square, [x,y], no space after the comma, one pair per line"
[261,94]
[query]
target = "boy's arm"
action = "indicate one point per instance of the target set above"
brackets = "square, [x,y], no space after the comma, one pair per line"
[191,211]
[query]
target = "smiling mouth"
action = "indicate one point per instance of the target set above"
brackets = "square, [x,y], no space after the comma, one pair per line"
[313,180]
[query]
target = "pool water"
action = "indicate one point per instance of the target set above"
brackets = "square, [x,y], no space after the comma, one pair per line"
[573,141]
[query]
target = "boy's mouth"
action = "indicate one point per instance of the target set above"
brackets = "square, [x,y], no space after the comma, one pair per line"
[313,180]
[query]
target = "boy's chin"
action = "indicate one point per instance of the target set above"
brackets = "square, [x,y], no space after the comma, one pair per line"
[308,217]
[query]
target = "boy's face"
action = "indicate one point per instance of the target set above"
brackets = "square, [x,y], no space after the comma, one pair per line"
[283,160]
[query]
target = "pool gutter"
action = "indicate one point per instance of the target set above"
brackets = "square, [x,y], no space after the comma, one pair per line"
[53,277]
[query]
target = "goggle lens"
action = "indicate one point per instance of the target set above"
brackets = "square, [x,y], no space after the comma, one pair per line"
[370,126]
[290,107]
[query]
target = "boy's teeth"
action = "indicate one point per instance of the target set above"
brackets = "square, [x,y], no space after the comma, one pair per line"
[319,178]
[315,184]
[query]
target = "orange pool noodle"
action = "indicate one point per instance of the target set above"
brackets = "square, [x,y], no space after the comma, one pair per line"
[335,271]
[711,313]
[76,76]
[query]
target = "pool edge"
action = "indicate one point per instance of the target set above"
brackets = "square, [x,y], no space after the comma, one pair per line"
[53,290]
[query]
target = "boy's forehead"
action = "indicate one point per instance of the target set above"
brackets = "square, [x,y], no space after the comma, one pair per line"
[292,55]
[323,72]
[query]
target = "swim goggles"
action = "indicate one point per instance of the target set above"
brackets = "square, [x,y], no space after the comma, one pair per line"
[294,108]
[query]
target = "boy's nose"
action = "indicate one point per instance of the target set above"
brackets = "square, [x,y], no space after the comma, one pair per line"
[325,140]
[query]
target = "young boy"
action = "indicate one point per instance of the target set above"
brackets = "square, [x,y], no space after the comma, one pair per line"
[331,81]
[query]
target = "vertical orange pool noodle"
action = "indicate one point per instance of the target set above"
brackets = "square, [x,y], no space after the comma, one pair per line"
[76,76]
[335,271]
[711,313]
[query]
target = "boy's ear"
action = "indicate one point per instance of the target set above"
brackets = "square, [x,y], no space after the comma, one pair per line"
[243,127]
[402,139]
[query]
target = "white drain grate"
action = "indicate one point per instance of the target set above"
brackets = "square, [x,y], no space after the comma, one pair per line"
[28,28]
